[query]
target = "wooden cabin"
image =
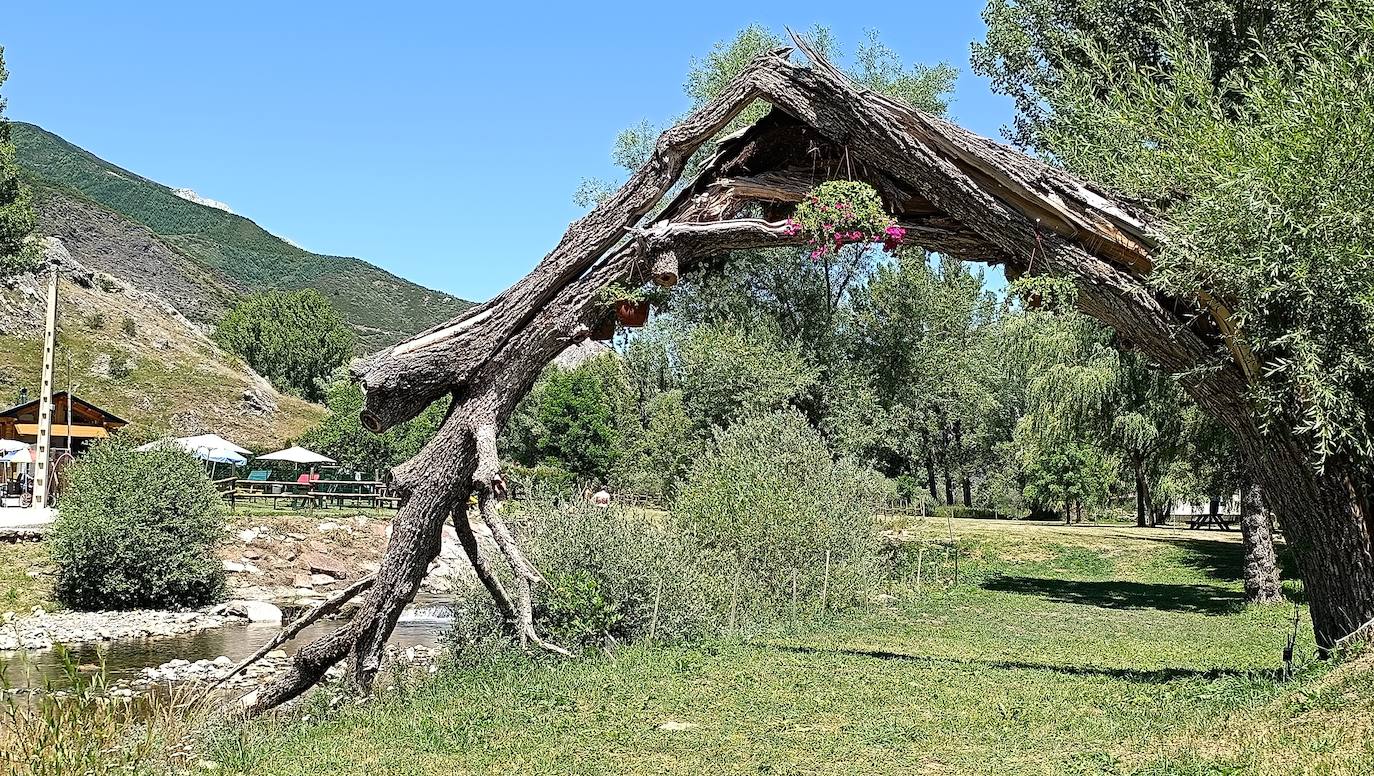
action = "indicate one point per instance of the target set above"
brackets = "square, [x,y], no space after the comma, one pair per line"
[88,422]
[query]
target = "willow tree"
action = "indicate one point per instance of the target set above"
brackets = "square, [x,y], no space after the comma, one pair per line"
[952,191]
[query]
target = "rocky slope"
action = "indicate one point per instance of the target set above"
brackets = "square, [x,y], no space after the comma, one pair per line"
[134,353]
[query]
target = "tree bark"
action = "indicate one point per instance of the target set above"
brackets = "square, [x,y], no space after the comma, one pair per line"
[1261,572]
[1140,499]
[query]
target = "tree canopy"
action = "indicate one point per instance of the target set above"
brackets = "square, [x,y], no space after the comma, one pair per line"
[18,252]
[293,338]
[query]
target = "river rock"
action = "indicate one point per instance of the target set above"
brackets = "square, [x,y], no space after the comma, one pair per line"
[234,567]
[257,611]
[320,563]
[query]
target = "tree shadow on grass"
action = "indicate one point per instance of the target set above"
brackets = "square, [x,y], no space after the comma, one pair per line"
[1124,594]
[1221,560]
[1146,676]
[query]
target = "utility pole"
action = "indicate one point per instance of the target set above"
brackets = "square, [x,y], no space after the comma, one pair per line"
[43,457]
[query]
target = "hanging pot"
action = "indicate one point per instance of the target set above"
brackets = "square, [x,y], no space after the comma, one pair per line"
[632,313]
[604,329]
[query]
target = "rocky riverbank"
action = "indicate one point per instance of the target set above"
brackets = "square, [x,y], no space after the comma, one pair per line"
[180,672]
[42,630]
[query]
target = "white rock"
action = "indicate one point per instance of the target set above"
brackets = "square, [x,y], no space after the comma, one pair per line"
[675,726]
[261,611]
[248,535]
[276,654]
[234,568]
[223,661]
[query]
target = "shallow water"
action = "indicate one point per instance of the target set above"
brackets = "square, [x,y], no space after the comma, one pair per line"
[419,625]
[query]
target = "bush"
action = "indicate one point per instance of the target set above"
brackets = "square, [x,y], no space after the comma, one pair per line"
[608,569]
[768,496]
[137,530]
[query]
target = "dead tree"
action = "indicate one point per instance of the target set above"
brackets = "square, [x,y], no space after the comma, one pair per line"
[956,193]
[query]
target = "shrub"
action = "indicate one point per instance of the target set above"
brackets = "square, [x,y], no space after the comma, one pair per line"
[129,328]
[608,571]
[95,321]
[768,496]
[137,530]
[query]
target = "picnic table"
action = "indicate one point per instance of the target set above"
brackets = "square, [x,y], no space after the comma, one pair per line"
[1207,520]
[313,492]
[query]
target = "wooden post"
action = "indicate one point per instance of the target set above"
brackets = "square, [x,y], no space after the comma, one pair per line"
[920,561]
[653,621]
[734,597]
[665,269]
[825,584]
[42,463]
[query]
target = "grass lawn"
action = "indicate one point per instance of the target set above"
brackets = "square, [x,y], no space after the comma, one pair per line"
[1063,650]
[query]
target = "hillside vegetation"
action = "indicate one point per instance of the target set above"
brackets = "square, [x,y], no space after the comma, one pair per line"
[159,372]
[234,254]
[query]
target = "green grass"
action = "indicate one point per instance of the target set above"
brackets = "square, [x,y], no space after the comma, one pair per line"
[20,592]
[1088,650]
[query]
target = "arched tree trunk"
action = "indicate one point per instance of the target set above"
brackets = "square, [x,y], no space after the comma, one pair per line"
[954,192]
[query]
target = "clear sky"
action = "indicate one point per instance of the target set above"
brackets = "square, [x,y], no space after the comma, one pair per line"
[440,140]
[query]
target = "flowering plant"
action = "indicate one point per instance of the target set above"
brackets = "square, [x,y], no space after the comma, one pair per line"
[840,213]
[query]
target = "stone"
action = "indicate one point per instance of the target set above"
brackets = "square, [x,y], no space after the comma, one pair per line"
[234,567]
[248,535]
[320,563]
[276,654]
[304,581]
[327,527]
[674,726]
[321,579]
[261,611]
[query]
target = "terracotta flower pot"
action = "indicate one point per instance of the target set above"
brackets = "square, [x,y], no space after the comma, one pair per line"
[632,313]
[604,329]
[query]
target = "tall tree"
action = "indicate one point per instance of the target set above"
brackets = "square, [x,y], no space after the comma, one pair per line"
[1261,176]
[18,251]
[293,338]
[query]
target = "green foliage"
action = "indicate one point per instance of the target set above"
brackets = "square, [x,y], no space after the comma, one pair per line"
[768,496]
[129,327]
[18,251]
[1034,46]
[841,213]
[728,374]
[341,435]
[293,338]
[137,530]
[95,321]
[612,572]
[572,419]
[1263,181]
[1065,475]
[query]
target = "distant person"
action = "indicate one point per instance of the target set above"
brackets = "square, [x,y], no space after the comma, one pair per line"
[602,497]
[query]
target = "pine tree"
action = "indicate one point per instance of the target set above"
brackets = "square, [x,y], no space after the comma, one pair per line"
[18,251]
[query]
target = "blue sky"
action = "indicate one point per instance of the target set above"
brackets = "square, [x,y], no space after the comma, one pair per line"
[440,141]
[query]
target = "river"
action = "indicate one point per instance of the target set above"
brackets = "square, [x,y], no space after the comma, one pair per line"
[420,624]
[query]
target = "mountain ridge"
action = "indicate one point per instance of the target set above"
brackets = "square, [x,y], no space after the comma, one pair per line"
[223,255]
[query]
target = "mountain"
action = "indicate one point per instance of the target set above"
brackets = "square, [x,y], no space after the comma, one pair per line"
[130,351]
[196,253]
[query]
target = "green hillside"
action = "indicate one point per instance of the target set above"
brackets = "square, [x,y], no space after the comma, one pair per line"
[382,307]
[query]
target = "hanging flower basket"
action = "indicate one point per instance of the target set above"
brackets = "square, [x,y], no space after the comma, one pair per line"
[632,313]
[840,213]
[604,329]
